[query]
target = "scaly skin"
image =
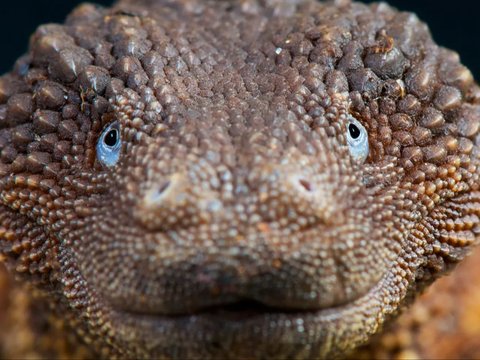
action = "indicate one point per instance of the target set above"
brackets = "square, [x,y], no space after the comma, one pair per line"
[236,223]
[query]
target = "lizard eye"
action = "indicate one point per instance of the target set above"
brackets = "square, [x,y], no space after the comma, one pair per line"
[357,139]
[109,145]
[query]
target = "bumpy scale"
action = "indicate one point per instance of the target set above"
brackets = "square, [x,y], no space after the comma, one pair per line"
[236,221]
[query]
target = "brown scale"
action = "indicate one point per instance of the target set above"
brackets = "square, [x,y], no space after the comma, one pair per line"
[236,223]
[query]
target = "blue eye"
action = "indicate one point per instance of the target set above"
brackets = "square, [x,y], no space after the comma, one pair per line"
[109,145]
[357,139]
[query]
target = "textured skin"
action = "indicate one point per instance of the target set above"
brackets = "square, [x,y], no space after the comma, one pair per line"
[443,323]
[236,223]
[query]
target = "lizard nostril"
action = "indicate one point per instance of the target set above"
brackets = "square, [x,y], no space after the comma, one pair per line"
[306,185]
[164,187]
[156,196]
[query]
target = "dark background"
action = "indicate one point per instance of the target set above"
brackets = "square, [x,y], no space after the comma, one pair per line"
[454,23]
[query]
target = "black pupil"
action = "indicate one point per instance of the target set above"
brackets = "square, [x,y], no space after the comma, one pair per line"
[354,131]
[111,137]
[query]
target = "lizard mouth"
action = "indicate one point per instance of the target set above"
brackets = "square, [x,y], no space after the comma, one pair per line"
[240,310]
[224,328]
[243,309]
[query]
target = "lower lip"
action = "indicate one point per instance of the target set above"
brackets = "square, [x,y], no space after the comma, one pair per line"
[220,322]
[221,331]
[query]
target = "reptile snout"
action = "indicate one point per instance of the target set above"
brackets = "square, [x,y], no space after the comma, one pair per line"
[224,238]
[286,195]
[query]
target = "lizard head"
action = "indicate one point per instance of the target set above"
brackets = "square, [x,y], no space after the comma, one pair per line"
[236,179]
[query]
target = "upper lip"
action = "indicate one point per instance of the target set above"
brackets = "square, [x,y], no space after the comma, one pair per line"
[235,311]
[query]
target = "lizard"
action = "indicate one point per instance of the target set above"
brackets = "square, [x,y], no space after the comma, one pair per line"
[233,179]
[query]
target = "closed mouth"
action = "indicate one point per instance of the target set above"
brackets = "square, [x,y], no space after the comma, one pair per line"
[238,311]
[223,329]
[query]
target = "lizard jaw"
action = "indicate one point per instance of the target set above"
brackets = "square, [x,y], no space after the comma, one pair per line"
[225,327]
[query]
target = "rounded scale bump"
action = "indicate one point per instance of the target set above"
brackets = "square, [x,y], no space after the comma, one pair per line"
[314,74]
[432,119]
[47,142]
[68,63]
[469,121]
[70,111]
[114,87]
[420,81]
[22,136]
[400,122]
[18,165]
[167,50]
[417,177]
[435,154]
[36,161]
[410,34]
[430,170]
[352,57]
[48,41]
[53,47]
[153,64]
[10,85]
[19,109]
[103,56]
[299,45]
[8,153]
[61,149]
[66,129]
[95,78]
[325,54]
[132,45]
[465,146]
[22,65]
[394,89]
[452,72]
[50,95]
[387,65]
[129,69]
[458,76]
[394,148]
[364,81]
[404,137]
[474,94]
[121,23]
[336,81]
[382,9]
[385,134]
[447,98]
[35,75]
[86,36]
[421,135]
[413,154]
[85,14]
[46,121]
[410,105]
[100,105]
[449,142]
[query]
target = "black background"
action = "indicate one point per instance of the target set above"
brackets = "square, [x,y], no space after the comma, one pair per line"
[454,24]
